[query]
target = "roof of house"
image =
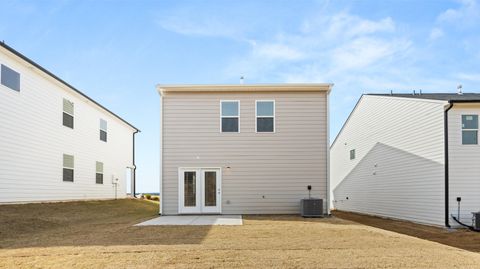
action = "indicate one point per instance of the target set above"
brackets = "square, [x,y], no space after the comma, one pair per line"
[450,97]
[28,60]
[284,87]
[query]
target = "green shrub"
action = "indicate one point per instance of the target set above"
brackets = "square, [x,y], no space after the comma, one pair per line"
[148,196]
[155,198]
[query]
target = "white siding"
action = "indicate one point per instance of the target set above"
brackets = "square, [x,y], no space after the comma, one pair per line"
[398,171]
[33,141]
[464,165]
[269,171]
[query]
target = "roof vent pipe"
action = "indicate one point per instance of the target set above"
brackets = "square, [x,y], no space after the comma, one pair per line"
[413,92]
[459,89]
[242,78]
[420,91]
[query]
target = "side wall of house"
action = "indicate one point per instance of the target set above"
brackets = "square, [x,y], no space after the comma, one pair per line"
[33,141]
[464,165]
[269,172]
[398,169]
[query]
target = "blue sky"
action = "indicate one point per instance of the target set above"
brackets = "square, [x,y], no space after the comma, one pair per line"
[117,51]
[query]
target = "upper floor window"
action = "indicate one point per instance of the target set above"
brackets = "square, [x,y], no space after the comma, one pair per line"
[103,130]
[352,154]
[469,129]
[99,173]
[10,78]
[68,167]
[230,116]
[67,113]
[265,116]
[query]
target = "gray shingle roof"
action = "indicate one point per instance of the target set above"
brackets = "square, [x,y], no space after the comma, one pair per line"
[451,97]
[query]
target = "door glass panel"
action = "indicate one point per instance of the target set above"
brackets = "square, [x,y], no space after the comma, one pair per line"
[210,188]
[190,188]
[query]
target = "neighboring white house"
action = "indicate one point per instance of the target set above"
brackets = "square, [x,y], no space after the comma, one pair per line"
[409,156]
[242,149]
[55,142]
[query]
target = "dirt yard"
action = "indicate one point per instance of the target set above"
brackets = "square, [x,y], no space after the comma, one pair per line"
[101,235]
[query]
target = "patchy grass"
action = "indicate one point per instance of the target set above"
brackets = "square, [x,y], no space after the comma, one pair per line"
[101,235]
[460,238]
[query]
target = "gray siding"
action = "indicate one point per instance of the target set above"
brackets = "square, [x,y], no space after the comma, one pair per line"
[269,171]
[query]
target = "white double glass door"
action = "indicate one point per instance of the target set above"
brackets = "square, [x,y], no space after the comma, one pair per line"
[199,190]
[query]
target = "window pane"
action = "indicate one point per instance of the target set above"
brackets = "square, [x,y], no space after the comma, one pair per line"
[99,167]
[469,121]
[67,120]
[10,78]
[470,137]
[99,178]
[264,125]
[210,188]
[103,135]
[265,108]
[190,189]
[229,108]
[68,106]
[229,125]
[103,125]
[68,161]
[67,174]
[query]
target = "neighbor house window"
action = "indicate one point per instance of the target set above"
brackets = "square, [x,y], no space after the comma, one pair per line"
[352,154]
[230,116]
[67,113]
[68,167]
[469,129]
[10,78]
[265,116]
[99,173]
[103,130]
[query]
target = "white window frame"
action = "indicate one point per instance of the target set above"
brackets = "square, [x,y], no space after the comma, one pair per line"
[105,130]
[354,154]
[65,167]
[462,129]
[274,117]
[103,173]
[73,116]
[229,117]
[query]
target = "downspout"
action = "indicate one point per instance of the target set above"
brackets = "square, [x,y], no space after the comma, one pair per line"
[445,117]
[134,176]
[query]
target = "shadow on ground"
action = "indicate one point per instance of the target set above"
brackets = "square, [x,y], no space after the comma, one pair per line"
[92,223]
[460,238]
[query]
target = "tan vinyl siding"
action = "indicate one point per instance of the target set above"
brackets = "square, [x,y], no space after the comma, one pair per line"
[269,171]
[398,169]
[464,164]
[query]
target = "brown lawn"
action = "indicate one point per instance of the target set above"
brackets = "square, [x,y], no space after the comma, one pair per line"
[101,235]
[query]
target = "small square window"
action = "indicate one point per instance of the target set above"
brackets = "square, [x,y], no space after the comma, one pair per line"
[10,78]
[352,154]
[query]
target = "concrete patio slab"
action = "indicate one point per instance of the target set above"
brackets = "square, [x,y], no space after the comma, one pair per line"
[195,220]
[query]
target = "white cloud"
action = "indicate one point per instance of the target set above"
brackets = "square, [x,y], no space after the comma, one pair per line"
[475,77]
[467,14]
[276,52]
[436,33]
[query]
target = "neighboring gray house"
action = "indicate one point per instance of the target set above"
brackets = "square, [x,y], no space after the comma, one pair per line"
[242,149]
[409,156]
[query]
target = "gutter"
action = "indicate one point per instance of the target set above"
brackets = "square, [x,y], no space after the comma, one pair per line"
[134,176]
[447,194]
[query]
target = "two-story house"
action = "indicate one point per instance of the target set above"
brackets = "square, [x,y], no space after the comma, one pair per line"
[56,143]
[242,149]
[410,156]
